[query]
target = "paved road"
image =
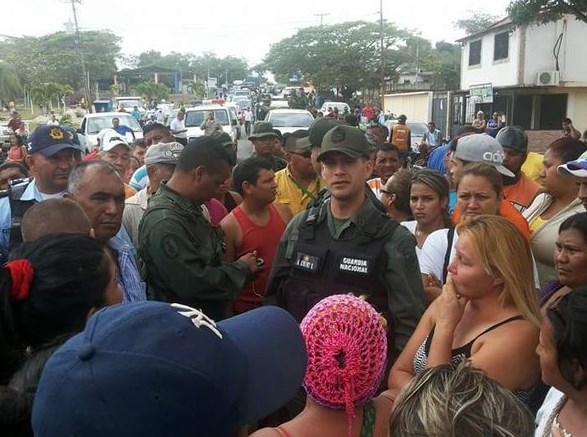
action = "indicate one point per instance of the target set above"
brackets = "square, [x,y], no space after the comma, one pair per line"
[244,147]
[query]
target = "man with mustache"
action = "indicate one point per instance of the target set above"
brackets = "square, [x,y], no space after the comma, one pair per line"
[52,154]
[97,187]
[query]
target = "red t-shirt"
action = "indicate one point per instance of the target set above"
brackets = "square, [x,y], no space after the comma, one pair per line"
[264,239]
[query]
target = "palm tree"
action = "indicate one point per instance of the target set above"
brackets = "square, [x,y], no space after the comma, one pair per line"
[197,88]
[10,87]
[152,90]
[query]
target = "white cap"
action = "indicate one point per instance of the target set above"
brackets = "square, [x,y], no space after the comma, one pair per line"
[577,168]
[110,141]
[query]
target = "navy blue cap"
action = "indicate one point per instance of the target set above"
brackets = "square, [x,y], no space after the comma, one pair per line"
[48,140]
[157,369]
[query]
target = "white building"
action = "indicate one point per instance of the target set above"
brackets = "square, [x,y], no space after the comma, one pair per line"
[533,75]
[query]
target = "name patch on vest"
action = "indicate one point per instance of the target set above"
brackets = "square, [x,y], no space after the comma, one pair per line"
[355,265]
[309,263]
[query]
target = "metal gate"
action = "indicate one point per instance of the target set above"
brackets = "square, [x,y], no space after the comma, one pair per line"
[440,111]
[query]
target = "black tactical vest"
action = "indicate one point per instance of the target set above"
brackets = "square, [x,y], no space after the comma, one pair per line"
[17,209]
[323,266]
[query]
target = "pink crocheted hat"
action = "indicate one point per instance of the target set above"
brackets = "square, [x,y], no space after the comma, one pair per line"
[347,351]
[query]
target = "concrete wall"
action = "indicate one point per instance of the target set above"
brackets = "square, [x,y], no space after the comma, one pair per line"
[416,106]
[538,51]
[538,140]
[503,72]
[572,59]
[531,52]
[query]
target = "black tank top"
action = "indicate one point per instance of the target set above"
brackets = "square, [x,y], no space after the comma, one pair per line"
[463,353]
[458,354]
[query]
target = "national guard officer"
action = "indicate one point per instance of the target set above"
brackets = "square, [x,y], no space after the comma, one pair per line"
[181,251]
[347,244]
[52,154]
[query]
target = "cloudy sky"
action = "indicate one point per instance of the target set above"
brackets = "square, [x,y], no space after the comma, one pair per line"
[243,28]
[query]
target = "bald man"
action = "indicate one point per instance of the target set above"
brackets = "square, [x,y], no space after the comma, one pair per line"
[54,216]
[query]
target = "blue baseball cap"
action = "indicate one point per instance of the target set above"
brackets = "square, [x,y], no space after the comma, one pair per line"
[48,140]
[157,369]
[577,168]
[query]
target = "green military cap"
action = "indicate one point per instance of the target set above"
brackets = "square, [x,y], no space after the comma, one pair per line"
[319,128]
[345,139]
[263,129]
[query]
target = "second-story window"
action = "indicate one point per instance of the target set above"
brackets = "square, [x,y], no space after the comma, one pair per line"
[475,52]
[501,46]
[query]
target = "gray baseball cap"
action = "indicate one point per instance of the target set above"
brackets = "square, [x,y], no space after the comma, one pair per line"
[163,153]
[482,148]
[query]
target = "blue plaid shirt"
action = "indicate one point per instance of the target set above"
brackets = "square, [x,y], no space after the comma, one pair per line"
[129,278]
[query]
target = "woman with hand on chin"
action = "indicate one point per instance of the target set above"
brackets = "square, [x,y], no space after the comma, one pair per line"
[487,312]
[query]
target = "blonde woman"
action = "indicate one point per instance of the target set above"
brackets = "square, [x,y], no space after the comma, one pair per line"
[487,312]
[479,123]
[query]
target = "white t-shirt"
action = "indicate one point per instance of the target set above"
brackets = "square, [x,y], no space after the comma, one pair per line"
[411,226]
[433,251]
[177,124]
[551,401]
[248,116]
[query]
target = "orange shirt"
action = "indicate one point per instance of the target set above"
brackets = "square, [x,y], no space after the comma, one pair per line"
[129,191]
[522,193]
[507,211]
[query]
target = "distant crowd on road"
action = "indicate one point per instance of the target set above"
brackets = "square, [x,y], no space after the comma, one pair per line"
[345,279]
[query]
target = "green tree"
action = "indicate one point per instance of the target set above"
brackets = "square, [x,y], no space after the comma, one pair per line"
[46,94]
[10,86]
[151,90]
[197,88]
[447,65]
[543,11]
[476,22]
[344,56]
[56,57]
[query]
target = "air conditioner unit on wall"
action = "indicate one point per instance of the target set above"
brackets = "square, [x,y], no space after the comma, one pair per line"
[548,78]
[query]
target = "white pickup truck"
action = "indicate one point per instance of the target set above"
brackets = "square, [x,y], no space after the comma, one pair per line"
[92,124]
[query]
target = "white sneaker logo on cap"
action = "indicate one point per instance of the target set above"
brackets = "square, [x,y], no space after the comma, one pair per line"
[197,317]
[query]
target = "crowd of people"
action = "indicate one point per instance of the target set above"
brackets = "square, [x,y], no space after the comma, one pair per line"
[323,286]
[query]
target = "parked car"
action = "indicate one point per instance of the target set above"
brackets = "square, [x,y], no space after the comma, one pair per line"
[279,104]
[128,103]
[289,120]
[342,107]
[92,124]
[5,132]
[225,115]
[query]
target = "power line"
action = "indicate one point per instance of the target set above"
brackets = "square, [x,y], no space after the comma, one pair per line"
[321,17]
[81,53]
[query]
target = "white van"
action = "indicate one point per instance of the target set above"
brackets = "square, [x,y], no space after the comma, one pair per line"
[225,115]
[342,107]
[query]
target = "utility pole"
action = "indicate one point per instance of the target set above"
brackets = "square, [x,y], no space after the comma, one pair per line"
[382,73]
[321,18]
[81,55]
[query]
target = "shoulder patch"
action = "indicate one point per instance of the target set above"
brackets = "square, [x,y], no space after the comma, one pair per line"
[170,246]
